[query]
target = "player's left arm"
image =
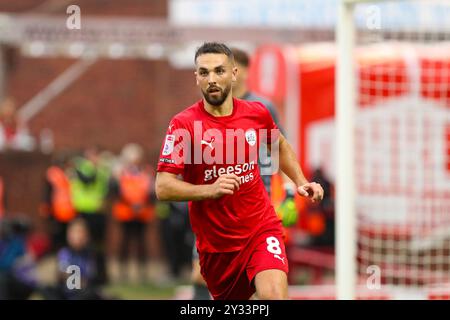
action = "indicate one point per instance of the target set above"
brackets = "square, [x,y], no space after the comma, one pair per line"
[290,166]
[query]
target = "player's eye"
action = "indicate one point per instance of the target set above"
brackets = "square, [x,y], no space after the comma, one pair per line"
[203,73]
[220,71]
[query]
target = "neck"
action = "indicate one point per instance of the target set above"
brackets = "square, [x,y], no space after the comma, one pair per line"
[240,92]
[225,109]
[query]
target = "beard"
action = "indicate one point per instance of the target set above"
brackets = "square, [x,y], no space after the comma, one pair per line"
[219,99]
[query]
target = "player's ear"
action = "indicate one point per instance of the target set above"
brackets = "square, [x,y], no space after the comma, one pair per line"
[234,73]
[196,77]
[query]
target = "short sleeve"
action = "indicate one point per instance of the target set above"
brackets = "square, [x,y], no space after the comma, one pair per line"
[174,148]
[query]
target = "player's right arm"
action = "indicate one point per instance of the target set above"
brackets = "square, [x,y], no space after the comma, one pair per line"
[170,188]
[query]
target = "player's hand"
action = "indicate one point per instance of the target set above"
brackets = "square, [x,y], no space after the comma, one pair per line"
[224,185]
[311,190]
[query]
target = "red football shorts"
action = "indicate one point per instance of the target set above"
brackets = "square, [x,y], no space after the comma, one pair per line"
[230,275]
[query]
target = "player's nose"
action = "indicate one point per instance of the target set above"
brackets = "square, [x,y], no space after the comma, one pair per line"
[212,78]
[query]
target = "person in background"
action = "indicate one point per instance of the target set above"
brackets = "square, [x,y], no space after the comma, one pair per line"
[13,132]
[56,204]
[89,186]
[77,258]
[321,219]
[133,207]
[177,237]
[2,199]
[18,278]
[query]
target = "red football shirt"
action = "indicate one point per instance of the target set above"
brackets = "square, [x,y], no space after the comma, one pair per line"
[201,147]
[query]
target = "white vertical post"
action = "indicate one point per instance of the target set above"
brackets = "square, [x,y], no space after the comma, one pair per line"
[345,177]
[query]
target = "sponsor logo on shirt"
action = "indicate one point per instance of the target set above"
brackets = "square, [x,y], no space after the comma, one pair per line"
[250,137]
[236,169]
[168,145]
[209,144]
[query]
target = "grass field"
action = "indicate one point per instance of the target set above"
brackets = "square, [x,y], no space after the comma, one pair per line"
[139,292]
[157,287]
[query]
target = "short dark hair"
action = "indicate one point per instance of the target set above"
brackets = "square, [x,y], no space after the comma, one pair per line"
[241,57]
[213,47]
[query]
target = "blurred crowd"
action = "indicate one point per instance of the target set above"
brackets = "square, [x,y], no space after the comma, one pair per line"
[84,197]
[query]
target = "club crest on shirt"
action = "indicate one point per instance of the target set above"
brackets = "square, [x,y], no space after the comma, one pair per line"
[250,136]
[168,145]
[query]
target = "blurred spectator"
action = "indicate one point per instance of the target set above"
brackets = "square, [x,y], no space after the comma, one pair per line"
[17,266]
[13,133]
[133,208]
[2,199]
[79,254]
[57,205]
[321,219]
[89,186]
[177,237]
